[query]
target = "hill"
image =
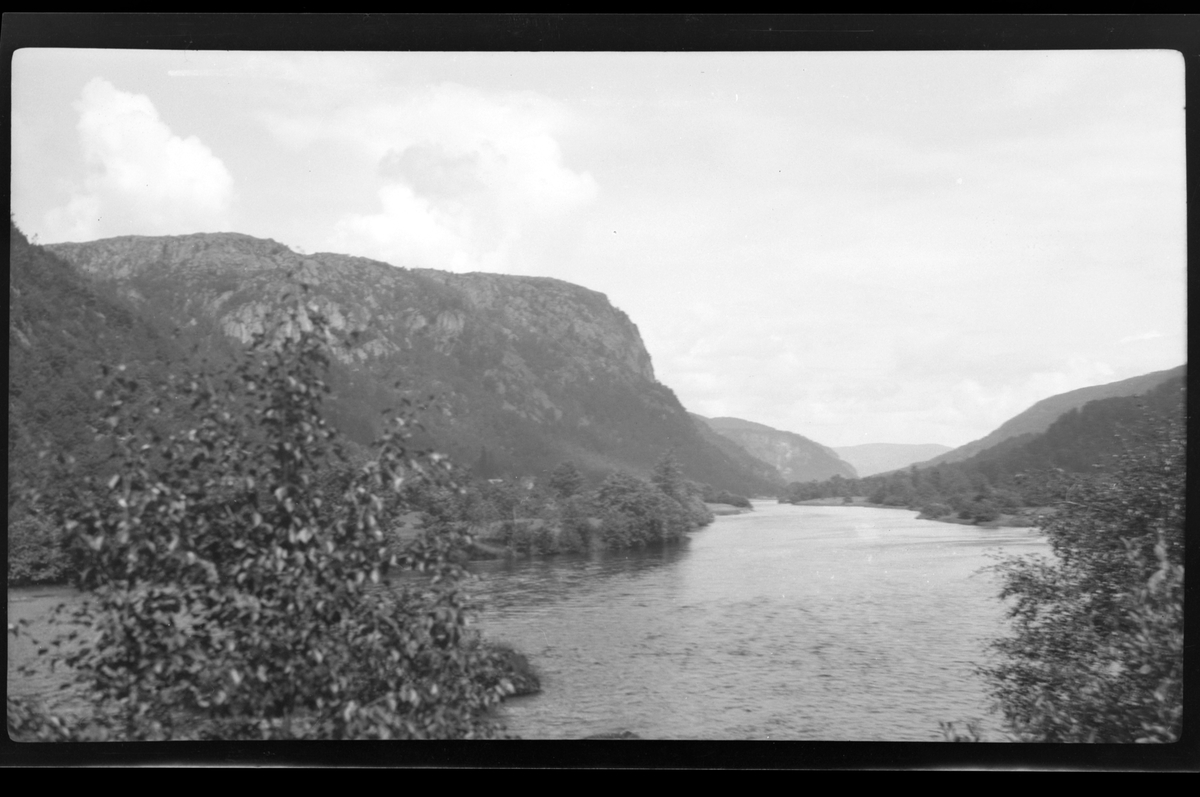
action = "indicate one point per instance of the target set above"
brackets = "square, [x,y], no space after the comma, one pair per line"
[871,458]
[797,458]
[1026,470]
[1041,415]
[61,327]
[527,372]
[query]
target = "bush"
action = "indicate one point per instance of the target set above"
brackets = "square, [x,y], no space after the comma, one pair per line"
[1096,653]
[35,554]
[238,573]
[726,497]
[935,511]
[637,513]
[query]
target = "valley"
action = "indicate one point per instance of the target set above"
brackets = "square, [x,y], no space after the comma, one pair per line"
[562,443]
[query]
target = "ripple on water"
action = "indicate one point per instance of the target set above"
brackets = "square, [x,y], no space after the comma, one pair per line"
[787,623]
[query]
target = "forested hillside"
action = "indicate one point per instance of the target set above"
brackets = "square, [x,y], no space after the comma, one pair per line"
[1038,418]
[519,375]
[61,328]
[532,371]
[1022,471]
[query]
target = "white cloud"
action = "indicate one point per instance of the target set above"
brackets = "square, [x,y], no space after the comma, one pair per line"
[142,179]
[1152,335]
[469,179]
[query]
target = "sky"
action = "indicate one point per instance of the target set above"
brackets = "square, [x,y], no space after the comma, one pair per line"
[866,247]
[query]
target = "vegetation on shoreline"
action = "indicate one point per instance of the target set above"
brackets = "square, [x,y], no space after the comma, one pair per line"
[152,306]
[1017,480]
[1095,652]
[239,562]
[240,572]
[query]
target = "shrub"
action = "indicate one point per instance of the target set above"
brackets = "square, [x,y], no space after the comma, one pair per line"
[1096,651]
[238,573]
[636,513]
[35,554]
[726,497]
[935,511]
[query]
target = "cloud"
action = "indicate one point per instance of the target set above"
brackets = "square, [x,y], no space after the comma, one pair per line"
[471,180]
[1153,335]
[142,179]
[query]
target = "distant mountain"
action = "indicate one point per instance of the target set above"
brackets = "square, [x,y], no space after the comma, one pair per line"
[1081,440]
[527,371]
[735,451]
[1026,470]
[1041,415]
[871,458]
[797,458]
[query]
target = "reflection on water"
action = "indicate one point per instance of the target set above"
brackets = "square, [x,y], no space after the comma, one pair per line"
[835,623]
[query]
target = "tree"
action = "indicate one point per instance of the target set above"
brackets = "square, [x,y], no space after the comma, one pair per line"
[566,480]
[238,573]
[1096,651]
[636,513]
[668,477]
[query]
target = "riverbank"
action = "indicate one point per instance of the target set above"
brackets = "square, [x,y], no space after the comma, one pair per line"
[1029,518]
[40,686]
[728,509]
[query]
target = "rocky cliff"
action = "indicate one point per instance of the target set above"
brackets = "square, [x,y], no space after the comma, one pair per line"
[797,458]
[530,370]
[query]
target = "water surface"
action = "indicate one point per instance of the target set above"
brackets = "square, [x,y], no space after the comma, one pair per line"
[791,622]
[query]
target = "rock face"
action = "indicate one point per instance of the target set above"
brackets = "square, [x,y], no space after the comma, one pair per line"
[1043,414]
[871,458]
[795,457]
[526,371]
[739,454]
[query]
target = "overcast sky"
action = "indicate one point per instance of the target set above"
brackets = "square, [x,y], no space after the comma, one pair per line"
[858,247]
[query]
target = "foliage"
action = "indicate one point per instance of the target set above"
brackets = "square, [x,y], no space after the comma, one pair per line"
[668,476]
[34,551]
[566,480]
[1096,651]
[60,325]
[712,496]
[238,572]
[636,513]
[1018,473]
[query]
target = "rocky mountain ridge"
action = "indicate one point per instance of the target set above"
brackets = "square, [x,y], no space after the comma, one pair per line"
[797,458]
[530,370]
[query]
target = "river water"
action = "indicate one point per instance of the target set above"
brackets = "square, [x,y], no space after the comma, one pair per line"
[790,622]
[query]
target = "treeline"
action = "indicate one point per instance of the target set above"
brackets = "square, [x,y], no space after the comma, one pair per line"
[241,562]
[529,516]
[1020,474]
[240,571]
[561,513]
[64,325]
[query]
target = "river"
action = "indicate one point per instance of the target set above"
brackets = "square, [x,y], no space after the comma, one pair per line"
[790,622]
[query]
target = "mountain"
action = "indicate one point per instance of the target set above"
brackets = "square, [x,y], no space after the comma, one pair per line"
[527,371]
[740,455]
[872,458]
[1028,469]
[797,458]
[1041,415]
[61,326]
[1085,438]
